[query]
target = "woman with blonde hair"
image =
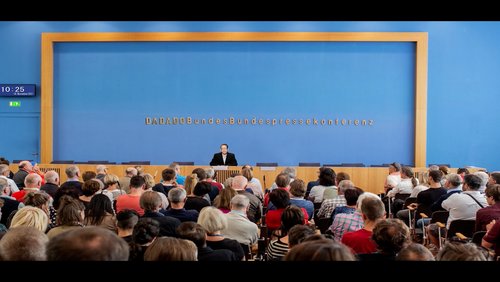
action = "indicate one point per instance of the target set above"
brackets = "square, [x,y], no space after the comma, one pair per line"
[190,183]
[31,216]
[171,249]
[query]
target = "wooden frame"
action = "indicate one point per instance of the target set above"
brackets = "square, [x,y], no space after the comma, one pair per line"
[47,67]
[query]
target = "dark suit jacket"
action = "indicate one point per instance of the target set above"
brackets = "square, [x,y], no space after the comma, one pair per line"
[230,159]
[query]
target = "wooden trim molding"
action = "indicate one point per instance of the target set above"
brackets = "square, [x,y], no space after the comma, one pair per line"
[49,39]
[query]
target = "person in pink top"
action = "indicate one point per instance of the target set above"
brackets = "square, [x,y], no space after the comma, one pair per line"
[132,199]
[360,242]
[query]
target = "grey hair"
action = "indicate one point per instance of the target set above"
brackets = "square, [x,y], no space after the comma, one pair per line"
[177,195]
[240,202]
[3,185]
[71,171]
[100,168]
[3,168]
[454,179]
[32,179]
[484,177]
[290,171]
[51,176]
[210,172]
[344,185]
[239,182]
[131,170]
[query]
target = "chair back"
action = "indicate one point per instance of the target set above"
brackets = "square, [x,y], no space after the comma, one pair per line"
[466,227]
[401,196]
[477,237]
[440,216]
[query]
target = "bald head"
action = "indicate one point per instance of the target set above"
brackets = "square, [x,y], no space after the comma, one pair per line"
[33,180]
[52,176]
[25,165]
[239,182]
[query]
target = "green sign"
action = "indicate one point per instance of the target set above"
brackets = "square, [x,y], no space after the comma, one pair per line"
[14,104]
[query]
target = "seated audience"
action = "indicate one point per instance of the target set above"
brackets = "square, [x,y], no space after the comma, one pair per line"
[30,216]
[223,200]
[69,216]
[298,233]
[291,216]
[239,227]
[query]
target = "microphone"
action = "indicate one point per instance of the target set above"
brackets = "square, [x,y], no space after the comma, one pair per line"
[264,178]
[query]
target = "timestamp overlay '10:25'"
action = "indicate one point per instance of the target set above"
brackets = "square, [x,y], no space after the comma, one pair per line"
[9,90]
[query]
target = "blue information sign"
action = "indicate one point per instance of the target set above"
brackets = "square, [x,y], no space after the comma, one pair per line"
[17,90]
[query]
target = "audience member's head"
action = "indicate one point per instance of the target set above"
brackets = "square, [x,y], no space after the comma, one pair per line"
[23,243]
[72,171]
[87,175]
[90,187]
[484,179]
[341,176]
[298,188]
[171,249]
[223,200]
[240,203]
[150,181]
[282,180]
[290,171]
[168,175]
[454,180]
[111,179]
[30,216]
[127,219]
[193,232]
[131,171]
[70,212]
[395,167]
[202,188]
[137,182]
[493,194]
[372,209]
[472,182]
[327,176]
[212,219]
[145,231]
[190,182]
[33,180]
[457,251]
[247,173]
[280,198]
[391,235]
[298,233]
[344,185]
[415,252]
[177,195]
[37,199]
[320,250]
[101,169]
[201,173]
[228,183]
[100,205]
[291,216]
[494,178]
[87,244]
[435,176]
[239,183]
[351,196]
[150,201]
[52,176]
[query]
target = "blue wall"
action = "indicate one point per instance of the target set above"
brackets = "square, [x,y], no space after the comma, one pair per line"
[464,64]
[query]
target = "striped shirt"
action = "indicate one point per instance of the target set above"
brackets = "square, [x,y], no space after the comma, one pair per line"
[277,250]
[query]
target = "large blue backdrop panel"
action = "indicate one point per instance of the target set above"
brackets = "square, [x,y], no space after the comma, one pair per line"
[105,94]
